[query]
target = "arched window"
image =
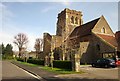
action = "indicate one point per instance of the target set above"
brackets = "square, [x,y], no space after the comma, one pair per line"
[76,20]
[72,19]
[98,47]
[103,30]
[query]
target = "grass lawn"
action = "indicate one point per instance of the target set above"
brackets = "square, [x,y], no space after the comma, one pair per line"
[29,64]
[59,70]
[54,70]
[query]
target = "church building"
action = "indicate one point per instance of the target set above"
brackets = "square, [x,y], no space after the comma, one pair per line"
[92,40]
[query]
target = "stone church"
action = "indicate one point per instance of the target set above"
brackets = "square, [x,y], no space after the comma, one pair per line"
[92,40]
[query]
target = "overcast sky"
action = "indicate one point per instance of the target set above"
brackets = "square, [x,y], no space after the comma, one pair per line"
[35,18]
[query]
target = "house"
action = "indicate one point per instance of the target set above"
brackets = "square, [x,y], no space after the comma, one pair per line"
[33,54]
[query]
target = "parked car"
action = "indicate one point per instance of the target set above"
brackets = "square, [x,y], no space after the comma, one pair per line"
[118,62]
[104,62]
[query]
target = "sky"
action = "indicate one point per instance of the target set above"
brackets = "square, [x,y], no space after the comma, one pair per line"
[35,18]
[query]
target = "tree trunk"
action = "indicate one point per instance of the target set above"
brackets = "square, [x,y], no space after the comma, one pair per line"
[20,52]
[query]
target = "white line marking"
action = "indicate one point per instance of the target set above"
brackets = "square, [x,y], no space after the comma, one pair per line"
[37,77]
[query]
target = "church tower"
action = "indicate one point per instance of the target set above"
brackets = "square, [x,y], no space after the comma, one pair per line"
[67,21]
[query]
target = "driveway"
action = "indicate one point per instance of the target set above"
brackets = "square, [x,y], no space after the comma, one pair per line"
[111,73]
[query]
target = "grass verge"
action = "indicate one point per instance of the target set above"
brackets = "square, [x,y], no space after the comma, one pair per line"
[59,71]
[54,70]
[29,64]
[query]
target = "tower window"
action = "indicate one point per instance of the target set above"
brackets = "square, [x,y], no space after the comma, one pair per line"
[103,30]
[76,20]
[72,19]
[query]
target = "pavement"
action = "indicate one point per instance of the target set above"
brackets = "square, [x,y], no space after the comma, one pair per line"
[49,76]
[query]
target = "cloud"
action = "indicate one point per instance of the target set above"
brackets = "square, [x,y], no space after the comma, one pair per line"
[31,39]
[6,14]
[9,30]
[60,0]
[47,9]
[5,37]
[66,3]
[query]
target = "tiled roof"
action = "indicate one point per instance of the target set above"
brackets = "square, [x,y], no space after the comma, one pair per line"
[108,38]
[84,29]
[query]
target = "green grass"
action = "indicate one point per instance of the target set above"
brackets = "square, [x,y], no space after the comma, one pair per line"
[29,64]
[59,71]
[50,69]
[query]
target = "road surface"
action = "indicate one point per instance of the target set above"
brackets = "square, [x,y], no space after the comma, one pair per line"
[10,72]
[111,73]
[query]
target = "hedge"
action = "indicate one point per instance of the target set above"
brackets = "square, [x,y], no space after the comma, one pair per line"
[62,64]
[36,61]
[20,59]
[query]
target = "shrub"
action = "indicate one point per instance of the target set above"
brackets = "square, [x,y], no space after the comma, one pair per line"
[36,61]
[62,64]
[20,59]
[8,57]
[30,57]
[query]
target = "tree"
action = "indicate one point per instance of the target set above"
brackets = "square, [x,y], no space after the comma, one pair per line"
[20,40]
[8,50]
[38,45]
[3,48]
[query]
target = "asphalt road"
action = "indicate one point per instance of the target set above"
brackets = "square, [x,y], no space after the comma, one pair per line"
[11,72]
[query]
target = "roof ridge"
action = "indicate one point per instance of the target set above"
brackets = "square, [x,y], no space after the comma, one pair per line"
[91,21]
[105,34]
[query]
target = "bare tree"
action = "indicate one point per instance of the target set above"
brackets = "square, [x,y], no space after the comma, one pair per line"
[20,40]
[38,45]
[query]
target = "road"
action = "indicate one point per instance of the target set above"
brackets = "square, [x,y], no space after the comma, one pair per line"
[11,72]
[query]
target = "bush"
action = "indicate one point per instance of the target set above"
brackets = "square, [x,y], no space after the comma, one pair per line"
[7,57]
[36,61]
[62,64]
[20,59]
[30,57]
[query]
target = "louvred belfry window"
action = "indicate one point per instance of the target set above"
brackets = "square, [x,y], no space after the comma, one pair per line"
[76,20]
[72,20]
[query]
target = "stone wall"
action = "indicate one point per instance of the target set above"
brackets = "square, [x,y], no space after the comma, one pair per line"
[102,27]
[41,55]
[102,48]
[65,24]
[47,44]
[56,46]
[91,48]
[87,49]
[117,35]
